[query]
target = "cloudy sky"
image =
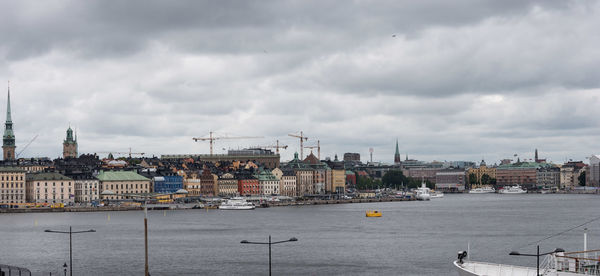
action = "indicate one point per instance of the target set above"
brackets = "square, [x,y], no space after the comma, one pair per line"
[451,80]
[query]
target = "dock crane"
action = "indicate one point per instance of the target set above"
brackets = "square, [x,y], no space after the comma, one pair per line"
[128,152]
[276,147]
[302,139]
[25,147]
[211,139]
[318,147]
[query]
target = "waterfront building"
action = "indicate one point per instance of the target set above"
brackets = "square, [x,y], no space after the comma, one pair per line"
[228,185]
[208,183]
[450,180]
[319,170]
[70,145]
[569,174]
[304,176]
[593,177]
[87,187]
[520,173]
[167,184]
[192,185]
[248,185]
[8,140]
[123,182]
[50,187]
[338,181]
[481,171]
[548,177]
[287,183]
[12,186]
[268,184]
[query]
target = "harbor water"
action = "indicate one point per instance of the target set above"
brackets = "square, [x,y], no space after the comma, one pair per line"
[411,238]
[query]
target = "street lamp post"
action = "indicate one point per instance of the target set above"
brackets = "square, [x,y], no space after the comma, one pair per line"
[515,253]
[269,243]
[71,232]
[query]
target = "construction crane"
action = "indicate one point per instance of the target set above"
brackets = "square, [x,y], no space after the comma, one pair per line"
[318,147]
[276,147]
[25,147]
[302,139]
[119,152]
[211,139]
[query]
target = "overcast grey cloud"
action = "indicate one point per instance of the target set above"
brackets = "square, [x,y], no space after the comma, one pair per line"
[451,80]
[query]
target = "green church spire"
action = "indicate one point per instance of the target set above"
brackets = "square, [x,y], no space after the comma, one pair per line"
[9,136]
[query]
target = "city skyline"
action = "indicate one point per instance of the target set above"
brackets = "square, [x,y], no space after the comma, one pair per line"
[358,78]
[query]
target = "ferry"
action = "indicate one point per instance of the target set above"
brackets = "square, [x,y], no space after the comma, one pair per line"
[436,194]
[373,214]
[513,190]
[236,203]
[482,190]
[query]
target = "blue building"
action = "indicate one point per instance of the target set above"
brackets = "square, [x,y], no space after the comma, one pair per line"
[167,184]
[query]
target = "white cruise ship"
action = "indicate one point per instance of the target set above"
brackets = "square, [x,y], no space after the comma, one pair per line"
[483,190]
[236,203]
[513,190]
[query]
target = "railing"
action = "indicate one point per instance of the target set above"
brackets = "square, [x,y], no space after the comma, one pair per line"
[14,270]
[581,262]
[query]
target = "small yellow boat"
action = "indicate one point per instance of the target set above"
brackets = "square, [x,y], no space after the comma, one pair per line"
[373,214]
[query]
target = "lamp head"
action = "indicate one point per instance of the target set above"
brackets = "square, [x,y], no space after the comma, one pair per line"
[559,250]
[47,230]
[293,239]
[65,265]
[514,253]
[244,241]
[92,230]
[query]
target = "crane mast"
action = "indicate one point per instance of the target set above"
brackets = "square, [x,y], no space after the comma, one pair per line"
[302,139]
[212,138]
[318,147]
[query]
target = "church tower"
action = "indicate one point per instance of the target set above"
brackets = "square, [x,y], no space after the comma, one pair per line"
[8,140]
[397,154]
[70,145]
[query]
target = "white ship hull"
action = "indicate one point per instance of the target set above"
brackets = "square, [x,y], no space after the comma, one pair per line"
[482,191]
[470,268]
[226,207]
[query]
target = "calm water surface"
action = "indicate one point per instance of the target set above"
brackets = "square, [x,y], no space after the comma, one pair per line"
[412,238]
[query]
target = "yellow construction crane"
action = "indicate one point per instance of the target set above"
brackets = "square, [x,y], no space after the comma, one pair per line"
[318,147]
[119,152]
[211,139]
[276,147]
[302,139]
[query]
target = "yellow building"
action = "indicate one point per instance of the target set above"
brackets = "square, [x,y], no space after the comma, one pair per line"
[12,185]
[479,172]
[50,188]
[122,182]
[338,181]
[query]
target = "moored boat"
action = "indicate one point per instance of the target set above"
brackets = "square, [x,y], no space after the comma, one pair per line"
[236,203]
[512,190]
[482,190]
[423,192]
[436,194]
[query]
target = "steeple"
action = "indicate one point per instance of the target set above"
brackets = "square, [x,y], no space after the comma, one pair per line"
[70,145]
[8,140]
[397,154]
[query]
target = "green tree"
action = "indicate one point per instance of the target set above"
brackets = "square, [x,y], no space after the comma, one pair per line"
[393,178]
[486,179]
[472,179]
[581,179]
